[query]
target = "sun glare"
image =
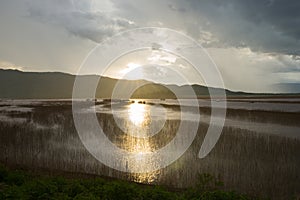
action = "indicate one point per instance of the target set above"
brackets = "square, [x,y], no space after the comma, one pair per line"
[129,67]
[137,113]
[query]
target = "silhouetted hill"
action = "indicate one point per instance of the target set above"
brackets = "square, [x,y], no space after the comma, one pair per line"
[15,84]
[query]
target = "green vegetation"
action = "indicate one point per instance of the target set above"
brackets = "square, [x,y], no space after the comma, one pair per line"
[15,184]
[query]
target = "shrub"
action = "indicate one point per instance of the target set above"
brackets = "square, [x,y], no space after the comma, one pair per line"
[15,178]
[19,185]
[3,173]
[119,190]
[158,193]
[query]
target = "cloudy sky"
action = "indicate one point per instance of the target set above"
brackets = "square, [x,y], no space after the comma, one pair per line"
[255,44]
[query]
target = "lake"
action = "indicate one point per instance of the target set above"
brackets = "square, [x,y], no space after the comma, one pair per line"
[257,153]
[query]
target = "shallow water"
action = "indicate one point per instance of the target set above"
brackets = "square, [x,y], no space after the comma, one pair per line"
[257,153]
[138,117]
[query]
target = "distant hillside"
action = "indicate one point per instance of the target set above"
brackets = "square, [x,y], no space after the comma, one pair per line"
[288,87]
[15,84]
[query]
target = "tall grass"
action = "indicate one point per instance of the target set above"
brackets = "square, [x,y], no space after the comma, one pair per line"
[249,162]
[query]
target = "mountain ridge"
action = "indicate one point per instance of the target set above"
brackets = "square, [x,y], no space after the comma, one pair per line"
[16,84]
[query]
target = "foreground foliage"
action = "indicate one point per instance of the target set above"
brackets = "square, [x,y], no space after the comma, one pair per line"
[15,184]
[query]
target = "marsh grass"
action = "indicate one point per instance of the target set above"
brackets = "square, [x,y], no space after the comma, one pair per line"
[245,161]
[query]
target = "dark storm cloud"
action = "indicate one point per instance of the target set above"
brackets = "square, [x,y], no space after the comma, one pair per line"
[95,26]
[271,26]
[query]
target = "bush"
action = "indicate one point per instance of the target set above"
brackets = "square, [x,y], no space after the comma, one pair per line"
[15,178]
[14,192]
[158,193]
[86,196]
[40,189]
[3,173]
[19,185]
[221,195]
[119,190]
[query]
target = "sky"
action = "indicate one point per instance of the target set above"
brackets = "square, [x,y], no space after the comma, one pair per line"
[255,44]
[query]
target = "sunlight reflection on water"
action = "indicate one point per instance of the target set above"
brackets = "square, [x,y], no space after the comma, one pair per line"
[139,115]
